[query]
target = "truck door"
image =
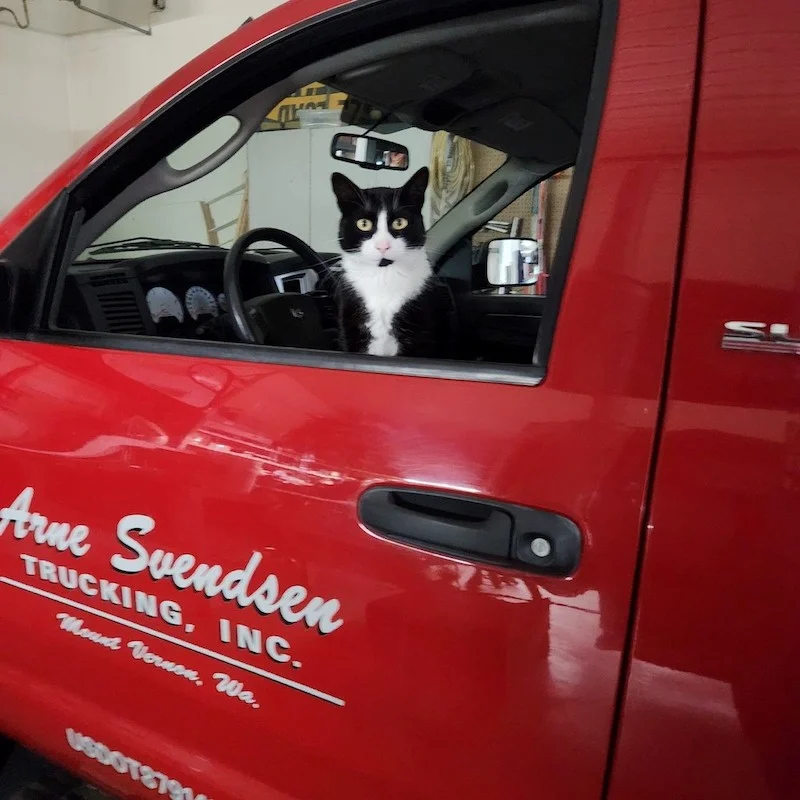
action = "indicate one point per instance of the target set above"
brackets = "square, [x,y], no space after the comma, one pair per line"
[252,572]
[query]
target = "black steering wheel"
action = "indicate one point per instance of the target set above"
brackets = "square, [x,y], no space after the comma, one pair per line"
[287,320]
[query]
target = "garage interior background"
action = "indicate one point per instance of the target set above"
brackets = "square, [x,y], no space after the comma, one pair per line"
[69,72]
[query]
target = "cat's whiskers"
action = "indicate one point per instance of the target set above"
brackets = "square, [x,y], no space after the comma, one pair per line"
[328,261]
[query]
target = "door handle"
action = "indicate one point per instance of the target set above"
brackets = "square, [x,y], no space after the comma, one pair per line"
[476,529]
[439,520]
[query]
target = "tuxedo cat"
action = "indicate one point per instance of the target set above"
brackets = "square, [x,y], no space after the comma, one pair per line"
[390,303]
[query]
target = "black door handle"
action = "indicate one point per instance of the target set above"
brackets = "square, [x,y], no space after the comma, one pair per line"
[447,522]
[476,529]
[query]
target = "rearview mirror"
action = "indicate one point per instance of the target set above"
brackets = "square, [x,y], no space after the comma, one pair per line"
[513,262]
[369,152]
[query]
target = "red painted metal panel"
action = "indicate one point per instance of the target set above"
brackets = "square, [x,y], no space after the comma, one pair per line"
[713,699]
[457,680]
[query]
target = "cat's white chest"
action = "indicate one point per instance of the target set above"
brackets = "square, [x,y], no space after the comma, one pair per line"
[384,291]
[382,312]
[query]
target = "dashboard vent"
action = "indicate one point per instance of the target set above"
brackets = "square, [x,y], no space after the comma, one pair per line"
[108,280]
[118,303]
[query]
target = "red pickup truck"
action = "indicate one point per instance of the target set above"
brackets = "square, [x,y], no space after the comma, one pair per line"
[238,562]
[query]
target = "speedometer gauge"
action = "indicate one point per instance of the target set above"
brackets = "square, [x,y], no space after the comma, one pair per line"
[200,301]
[162,303]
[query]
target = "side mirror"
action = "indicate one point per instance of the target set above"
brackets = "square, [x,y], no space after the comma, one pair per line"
[513,262]
[369,152]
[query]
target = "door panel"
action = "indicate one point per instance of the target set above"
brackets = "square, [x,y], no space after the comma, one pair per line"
[497,328]
[716,647]
[415,674]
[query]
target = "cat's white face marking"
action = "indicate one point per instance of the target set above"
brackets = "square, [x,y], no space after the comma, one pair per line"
[382,244]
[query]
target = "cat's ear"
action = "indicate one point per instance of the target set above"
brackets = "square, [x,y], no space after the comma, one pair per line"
[414,191]
[347,193]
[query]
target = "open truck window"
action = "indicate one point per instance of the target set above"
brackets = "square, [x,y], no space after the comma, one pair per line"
[146,267]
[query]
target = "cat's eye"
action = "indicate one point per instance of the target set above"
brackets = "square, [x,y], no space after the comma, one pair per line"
[400,223]
[364,224]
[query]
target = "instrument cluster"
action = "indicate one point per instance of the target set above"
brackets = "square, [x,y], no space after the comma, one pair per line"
[198,303]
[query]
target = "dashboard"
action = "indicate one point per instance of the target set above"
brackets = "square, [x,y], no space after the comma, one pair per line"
[179,294]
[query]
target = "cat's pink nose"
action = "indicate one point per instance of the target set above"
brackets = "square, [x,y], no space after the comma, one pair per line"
[382,247]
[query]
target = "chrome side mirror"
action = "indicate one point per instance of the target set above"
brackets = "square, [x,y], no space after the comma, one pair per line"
[513,262]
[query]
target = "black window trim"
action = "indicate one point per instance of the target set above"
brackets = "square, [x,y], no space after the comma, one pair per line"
[70,210]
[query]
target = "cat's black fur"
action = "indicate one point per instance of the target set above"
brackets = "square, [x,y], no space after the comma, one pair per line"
[422,325]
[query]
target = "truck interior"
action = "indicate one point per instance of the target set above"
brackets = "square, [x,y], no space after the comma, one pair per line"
[515,83]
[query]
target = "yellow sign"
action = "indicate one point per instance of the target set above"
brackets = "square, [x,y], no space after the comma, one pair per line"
[313,96]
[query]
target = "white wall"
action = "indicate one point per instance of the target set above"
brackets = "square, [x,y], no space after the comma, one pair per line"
[35,135]
[58,91]
[56,16]
[110,69]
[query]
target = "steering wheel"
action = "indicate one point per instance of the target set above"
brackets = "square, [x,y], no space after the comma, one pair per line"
[288,320]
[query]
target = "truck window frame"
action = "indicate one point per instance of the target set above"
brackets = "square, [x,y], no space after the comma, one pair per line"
[199,104]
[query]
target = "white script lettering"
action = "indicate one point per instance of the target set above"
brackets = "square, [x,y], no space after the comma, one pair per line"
[60,535]
[74,626]
[232,688]
[212,581]
[141,652]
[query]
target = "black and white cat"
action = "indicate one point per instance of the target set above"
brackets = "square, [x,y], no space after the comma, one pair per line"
[390,303]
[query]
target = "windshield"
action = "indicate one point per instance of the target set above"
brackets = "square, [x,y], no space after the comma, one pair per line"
[282,179]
